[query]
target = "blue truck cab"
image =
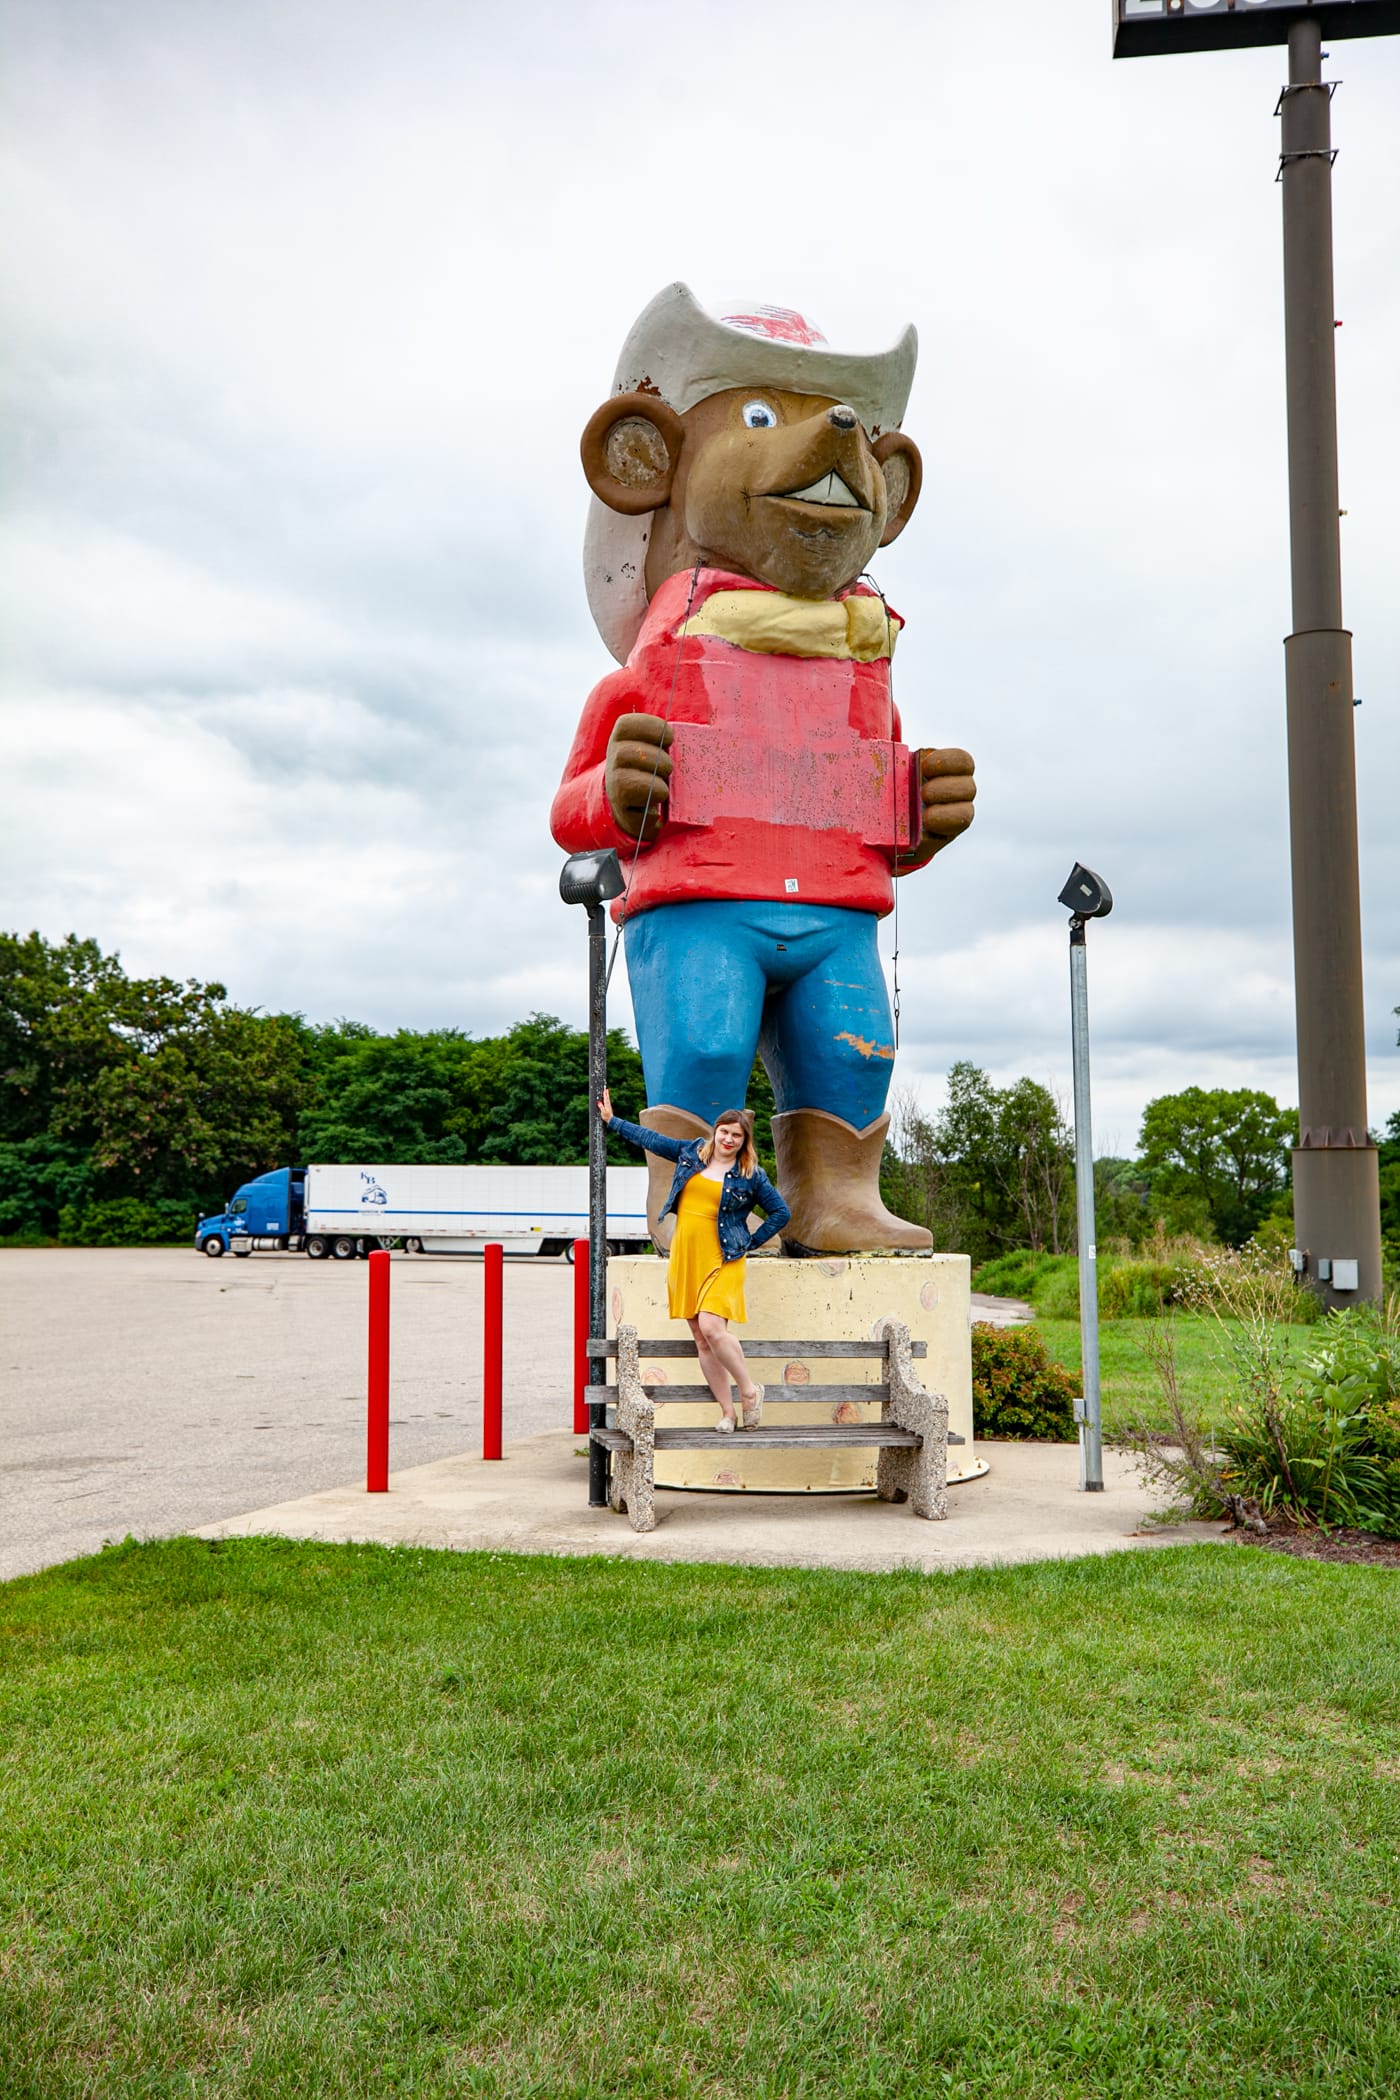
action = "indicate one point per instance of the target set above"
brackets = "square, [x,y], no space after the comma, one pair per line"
[271,1208]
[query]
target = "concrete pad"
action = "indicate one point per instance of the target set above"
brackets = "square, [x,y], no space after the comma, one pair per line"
[535,1500]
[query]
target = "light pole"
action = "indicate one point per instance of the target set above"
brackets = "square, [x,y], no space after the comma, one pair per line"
[1087,896]
[592,880]
[1336,1179]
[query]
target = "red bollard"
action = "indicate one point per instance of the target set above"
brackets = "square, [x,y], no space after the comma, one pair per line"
[580,1337]
[377,1456]
[493,1322]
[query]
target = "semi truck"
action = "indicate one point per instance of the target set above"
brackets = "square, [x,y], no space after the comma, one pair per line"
[338,1213]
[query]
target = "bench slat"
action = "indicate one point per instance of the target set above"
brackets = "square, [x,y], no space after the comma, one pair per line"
[663,1395]
[610,1439]
[797,1436]
[669,1347]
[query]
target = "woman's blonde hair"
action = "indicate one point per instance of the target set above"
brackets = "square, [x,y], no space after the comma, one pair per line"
[747,1160]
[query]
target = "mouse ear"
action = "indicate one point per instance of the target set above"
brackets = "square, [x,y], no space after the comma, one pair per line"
[631,448]
[904,475]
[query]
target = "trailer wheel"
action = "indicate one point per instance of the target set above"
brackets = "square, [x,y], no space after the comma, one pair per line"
[569,1252]
[343,1248]
[317,1246]
[413,1246]
[213,1246]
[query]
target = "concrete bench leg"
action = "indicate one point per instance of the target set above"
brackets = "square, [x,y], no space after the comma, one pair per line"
[918,1477]
[633,1486]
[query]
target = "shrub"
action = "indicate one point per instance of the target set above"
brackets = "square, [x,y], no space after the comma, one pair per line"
[1384,1425]
[1013,1275]
[1057,1289]
[1251,1284]
[1358,1352]
[1130,1287]
[1016,1390]
[1140,1290]
[1314,1443]
[126,1221]
[1310,1453]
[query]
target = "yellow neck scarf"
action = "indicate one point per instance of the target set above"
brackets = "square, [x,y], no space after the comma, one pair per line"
[773,624]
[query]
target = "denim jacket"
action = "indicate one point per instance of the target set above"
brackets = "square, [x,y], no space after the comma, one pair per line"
[741,1192]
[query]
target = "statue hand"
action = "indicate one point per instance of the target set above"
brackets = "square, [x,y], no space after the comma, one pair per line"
[947,791]
[637,774]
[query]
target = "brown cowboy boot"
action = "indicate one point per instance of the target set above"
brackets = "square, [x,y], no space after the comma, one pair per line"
[829,1175]
[676,1123]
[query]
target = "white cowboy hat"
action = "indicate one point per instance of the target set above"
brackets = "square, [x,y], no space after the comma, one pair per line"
[684,354]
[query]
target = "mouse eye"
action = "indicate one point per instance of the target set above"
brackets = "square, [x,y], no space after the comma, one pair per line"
[759,416]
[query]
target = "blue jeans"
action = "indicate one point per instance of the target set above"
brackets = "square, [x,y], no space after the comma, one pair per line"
[716,981]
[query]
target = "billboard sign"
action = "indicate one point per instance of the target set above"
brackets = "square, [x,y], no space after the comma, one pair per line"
[1146,28]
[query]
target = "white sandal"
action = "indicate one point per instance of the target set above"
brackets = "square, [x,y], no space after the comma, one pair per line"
[726,1425]
[752,1409]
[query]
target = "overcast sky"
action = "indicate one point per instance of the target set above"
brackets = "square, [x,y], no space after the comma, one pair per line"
[307,304]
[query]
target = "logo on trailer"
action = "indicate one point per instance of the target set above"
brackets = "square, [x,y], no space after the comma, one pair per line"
[374,1193]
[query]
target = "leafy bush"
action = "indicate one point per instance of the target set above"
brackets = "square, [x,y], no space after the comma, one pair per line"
[1309,1452]
[125,1221]
[1254,1285]
[1384,1423]
[1353,1373]
[1358,1352]
[1017,1391]
[1057,1289]
[1011,1275]
[1140,1289]
[1129,1287]
[1320,1441]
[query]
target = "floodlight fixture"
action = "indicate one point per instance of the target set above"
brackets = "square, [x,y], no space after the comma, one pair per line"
[1086,894]
[592,879]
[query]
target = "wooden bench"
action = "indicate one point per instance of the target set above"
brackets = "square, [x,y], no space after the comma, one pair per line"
[911,1435]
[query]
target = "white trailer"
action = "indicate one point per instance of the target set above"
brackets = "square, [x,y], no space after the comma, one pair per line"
[454,1210]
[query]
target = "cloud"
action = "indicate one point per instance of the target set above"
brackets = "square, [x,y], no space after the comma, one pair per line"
[308,306]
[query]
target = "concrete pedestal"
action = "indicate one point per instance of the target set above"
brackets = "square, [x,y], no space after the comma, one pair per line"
[836,1300]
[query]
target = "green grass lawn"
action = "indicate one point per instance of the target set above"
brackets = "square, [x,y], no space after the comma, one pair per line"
[304,1820]
[1130,1389]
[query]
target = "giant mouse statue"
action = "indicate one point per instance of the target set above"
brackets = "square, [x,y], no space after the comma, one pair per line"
[746,760]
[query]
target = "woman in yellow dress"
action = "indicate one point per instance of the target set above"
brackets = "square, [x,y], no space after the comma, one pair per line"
[718,1183]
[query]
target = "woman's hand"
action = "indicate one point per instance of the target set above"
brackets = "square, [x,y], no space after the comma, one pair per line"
[605,1107]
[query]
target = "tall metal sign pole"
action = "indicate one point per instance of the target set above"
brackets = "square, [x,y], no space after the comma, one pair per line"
[1087,896]
[592,880]
[1336,1189]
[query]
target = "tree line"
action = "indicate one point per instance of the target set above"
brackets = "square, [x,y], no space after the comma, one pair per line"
[130,1105]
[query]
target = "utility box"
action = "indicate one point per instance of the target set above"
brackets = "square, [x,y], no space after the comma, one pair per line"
[1344,1275]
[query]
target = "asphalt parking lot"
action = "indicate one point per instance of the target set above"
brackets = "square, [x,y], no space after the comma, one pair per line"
[147,1390]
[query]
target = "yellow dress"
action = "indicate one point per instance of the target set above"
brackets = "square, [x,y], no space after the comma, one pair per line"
[699,1279]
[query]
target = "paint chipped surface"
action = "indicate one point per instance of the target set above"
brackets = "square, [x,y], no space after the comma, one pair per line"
[866,1045]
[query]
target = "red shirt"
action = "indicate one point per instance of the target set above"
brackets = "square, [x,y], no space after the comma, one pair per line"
[790,783]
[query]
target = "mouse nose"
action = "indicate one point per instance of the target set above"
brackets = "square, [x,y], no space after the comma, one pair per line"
[842,418]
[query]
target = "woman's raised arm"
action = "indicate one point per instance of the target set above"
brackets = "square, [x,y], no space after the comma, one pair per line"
[644,1140]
